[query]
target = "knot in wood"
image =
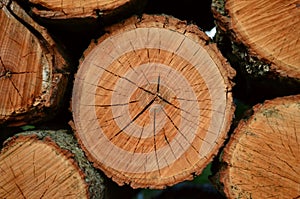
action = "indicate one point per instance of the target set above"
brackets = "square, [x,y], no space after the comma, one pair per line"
[8,74]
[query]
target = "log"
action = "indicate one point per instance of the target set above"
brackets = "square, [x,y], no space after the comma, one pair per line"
[104,11]
[33,72]
[262,157]
[152,101]
[74,23]
[47,164]
[260,39]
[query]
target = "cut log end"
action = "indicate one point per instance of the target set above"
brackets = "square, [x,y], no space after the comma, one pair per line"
[46,164]
[262,157]
[104,10]
[269,30]
[152,101]
[29,81]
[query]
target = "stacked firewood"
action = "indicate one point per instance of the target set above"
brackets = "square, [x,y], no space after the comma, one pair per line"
[148,99]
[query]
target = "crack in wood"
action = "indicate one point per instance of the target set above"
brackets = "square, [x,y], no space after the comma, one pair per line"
[166,139]
[144,75]
[20,190]
[154,139]
[176,127]
[43,194]
[140,137]
[119,76]
[16,88]
[6,73]
[110,105]
[176,107]
[137,115]
[15,177]
[158,84]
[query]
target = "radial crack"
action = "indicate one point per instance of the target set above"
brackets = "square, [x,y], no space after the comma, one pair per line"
[125,79]
[176,127]
[16,88]
[137,115]
[154,140]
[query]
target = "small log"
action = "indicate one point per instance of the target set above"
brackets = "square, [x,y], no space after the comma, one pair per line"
[262,157]
[152,101]
[260,39]
[104,11]
[80,21]
[32,69]
[47,164]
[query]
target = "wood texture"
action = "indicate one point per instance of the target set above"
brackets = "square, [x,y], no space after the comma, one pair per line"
[31,69]
[262,157]
[104,10]
[47,164]
[269,30]
[152,101]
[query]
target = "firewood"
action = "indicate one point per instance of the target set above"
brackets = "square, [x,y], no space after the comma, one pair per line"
[152,101]
[260,39]
[47,164]
[105,11]
[262,157]
[33,73]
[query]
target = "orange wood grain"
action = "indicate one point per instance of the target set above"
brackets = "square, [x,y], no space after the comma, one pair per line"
[68,9]
[262,156]
[34,168]
[268,29]
[29,59]
[152,101]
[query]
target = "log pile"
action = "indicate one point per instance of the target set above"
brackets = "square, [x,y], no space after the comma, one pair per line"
[152,101]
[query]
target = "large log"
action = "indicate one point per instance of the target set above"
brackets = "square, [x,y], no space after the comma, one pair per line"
[152,101]
[47,164]
[261,40]
[32,69]
[262,158]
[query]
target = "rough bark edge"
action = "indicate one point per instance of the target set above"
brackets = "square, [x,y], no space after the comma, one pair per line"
[170,23]
[250,62]
[105,16]
[193,32]
[65,143]
[222,165]
[50,100]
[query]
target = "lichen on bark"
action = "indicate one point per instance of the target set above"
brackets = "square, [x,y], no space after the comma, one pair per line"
[65,140]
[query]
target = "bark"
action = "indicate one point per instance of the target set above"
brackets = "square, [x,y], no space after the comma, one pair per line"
[83,12]
[260,39]
[152,101]
[33,73]
[262,157]
[47,164]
